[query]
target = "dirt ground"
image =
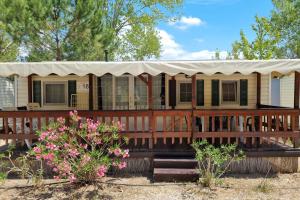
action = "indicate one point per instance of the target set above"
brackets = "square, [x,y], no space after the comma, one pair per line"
[281,186]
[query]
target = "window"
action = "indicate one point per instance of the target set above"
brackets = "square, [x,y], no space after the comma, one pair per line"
[55,93]
[229,91]
[185,92]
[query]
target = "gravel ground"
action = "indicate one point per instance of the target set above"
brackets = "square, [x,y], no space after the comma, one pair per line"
[281,186]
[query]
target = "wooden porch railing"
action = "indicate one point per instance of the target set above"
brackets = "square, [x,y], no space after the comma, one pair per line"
[149,126]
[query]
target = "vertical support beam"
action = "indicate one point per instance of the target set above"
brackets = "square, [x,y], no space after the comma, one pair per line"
[258,90]
[296,106]
[150,96]
[91,96]
[296,90]
[29,79]
[194,92]
[150,108]
[193,105]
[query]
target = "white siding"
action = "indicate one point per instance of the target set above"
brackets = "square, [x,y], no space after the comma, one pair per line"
[22,91]
[265,89]
[6,92]
[287,91]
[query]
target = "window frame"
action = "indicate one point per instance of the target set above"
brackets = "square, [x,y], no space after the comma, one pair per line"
[179,92]
[236,89]
[65,83]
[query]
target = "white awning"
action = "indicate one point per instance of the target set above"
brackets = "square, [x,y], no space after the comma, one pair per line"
[82,68]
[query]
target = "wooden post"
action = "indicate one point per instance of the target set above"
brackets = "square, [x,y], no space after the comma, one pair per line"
[296,106]
[29,79]
[258,90]
[150,98]
[296,90]
[193,105]
[150,108]
[194,92]
[91,96]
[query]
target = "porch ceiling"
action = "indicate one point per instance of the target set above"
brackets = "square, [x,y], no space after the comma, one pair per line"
[172,68]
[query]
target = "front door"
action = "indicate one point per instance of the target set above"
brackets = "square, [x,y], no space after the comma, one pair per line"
[123,93]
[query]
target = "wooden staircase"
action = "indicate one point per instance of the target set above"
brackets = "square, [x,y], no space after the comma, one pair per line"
[175,169]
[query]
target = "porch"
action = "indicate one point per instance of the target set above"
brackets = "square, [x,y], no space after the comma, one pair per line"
[274,128]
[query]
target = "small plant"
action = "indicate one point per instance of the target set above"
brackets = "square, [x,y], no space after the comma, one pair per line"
[23,166]
[264,186]
[81,151]
[213,161]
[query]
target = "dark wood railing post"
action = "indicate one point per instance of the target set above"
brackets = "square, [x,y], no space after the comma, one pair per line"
[296,106]
[29,79]
[91,96]
[150,108]
[258,90]
[193,105]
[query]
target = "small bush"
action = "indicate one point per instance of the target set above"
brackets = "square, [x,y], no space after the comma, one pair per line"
[213,161]
[23,166]
[81,151]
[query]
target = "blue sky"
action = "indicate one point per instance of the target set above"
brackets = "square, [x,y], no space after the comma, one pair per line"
[207,25]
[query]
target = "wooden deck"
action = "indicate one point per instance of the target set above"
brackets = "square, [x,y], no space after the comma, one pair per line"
[150,129]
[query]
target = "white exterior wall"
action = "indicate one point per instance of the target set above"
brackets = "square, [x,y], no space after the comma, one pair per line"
[265,91]
[287,91]
[21,91]
[6,92]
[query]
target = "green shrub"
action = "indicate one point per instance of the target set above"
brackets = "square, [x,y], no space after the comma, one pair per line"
[213,161]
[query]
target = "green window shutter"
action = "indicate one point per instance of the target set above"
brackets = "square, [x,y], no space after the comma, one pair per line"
[71,90]
[172,93]
[215,93]
[200,92]
[243,92]
[37,92]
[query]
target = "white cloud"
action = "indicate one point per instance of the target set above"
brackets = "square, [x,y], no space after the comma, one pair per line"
[171,50]
[186,22]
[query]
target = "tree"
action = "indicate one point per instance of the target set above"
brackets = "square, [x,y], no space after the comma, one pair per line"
[82,29]
[8,49]
[265,44]
[285,19]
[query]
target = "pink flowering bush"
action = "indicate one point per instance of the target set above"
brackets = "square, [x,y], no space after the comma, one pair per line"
[81,151]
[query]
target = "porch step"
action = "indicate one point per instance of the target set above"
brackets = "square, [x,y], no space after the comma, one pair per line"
[177,163]
[175,169]
[175,175]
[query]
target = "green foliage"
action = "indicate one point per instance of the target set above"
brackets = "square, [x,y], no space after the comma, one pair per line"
[265,44]
[23,166]
[213,161]
[277,36]
[285,19]
[82,29]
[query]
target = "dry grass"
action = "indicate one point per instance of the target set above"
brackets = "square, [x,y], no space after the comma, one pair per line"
[283,186]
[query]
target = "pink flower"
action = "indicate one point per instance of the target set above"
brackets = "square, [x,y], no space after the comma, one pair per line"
[61,120]
[126,153]
[49,156]
[73,153]
[56,177]
[101,170]
[37,150]
[86,158]
[51,146]
[38,157]
[43,135]
[120,126]
[55,169]
[62,129]
[72,178]
[122,165]
[117,152]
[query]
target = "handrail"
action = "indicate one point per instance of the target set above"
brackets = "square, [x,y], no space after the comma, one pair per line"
[153,125]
